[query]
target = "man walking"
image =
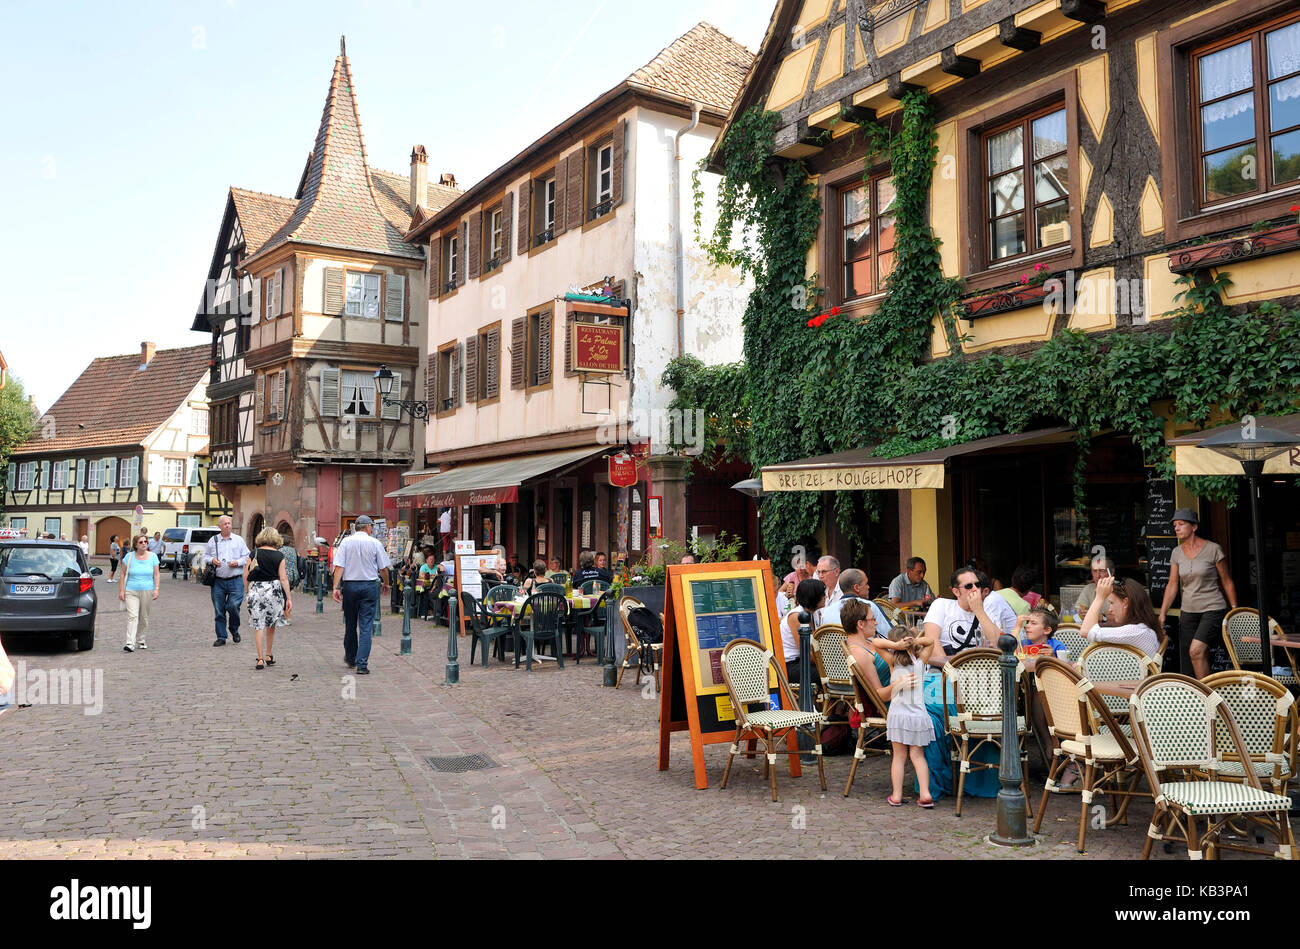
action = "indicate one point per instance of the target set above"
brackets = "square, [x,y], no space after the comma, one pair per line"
[357,564]
[228,553]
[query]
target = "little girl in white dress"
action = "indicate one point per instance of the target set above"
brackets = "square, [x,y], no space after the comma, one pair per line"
[908,726]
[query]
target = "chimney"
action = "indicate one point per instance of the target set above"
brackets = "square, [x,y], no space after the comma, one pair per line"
[419,178]
[146,354]
[447,179]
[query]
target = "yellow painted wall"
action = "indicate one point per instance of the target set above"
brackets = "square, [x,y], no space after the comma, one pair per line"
[1152,209]
[945,199]
[792,78]
[1094,303]
[1094,92]
[932,535]
[814,11]
[936,16]
[1085,174]
[1263,279]
[1030,324]
[1103,223]
[892,34]
[938,339]
[1161,287]
[1148,87]
[833,60]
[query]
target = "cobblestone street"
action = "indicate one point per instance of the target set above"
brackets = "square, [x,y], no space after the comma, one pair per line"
[195,754]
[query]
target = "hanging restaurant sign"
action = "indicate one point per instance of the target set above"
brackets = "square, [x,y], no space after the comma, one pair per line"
[622,470]
[597,347]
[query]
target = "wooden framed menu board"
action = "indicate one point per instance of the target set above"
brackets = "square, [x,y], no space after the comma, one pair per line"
[707,606]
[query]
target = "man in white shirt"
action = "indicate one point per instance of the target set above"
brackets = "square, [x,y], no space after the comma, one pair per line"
[444,528]
[358,562]
[228,553]
[84,544]
[156,544]
[854,586]
[828,572]
[976,617]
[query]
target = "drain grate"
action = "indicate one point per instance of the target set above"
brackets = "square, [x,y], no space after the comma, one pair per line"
[459,764]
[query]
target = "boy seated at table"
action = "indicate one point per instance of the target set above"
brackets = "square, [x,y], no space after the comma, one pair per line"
[1038,625]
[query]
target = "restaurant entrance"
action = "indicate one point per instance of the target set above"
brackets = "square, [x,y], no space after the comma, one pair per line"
[1001,508]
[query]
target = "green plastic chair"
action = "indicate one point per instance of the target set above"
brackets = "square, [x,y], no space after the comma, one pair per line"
[546,615]
[480,630]
[590,623]
[594,586]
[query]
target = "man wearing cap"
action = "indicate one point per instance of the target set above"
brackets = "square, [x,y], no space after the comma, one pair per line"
[1200,568]
[358,563]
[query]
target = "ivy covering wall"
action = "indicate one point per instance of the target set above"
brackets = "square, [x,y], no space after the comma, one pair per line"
[847,383]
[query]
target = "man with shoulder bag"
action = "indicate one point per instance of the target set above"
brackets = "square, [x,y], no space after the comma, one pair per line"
[225,555]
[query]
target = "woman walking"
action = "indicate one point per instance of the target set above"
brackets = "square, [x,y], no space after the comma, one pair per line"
[266,588]
[140,585]
[1197,566]
[114,555]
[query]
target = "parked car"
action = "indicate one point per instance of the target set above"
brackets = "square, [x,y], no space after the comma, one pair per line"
[47,588]
[184,540]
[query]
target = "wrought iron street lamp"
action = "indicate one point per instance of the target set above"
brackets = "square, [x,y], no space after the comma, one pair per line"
[1252,446]
[384,382]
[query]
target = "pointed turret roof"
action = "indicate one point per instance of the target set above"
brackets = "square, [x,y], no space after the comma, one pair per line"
[338,206]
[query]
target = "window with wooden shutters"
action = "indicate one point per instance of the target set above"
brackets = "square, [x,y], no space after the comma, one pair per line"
[431,381]
[395,298]
[619,160]
[525,216]
[539,348]
[363,295]
[110,472]
[464,242]
[507,222]
[356,394]
[445,379]
[457,362]
[452,263]
[271,295]
[25,472]
[95,474]
[489,362]
[493,239]
[561,222]
[259,398]
[568,344]
[329,392]
[601,180]
[393,411]
[474,245]
[518,353]
[574,191]
[81,473]
[435,266]
[129,473]
[59,476]
[334,293]
[471,369]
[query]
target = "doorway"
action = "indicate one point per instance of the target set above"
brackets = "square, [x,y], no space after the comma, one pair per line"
[104,531]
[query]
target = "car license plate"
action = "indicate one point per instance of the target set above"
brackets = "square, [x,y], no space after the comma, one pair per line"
[32,589]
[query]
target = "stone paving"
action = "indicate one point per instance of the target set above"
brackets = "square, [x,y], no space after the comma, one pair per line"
[197,755]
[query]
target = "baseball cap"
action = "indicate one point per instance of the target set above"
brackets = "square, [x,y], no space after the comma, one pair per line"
[364,521]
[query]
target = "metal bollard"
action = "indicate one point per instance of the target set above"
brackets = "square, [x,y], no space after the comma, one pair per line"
[1013,824]
[408,597]
[320,589]
[453,647]
[609,675]
[379,609]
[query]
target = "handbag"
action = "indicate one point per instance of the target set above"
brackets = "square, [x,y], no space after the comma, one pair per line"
[209,575]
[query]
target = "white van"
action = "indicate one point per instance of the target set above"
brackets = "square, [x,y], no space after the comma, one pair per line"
[181,540]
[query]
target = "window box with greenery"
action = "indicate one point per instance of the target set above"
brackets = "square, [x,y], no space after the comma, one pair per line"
[1262,243]
[1032,289]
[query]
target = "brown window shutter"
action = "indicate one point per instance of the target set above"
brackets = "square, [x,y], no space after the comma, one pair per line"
[435,265]
[616,159]
[431,381]
[575,196]
[471,369]
[507,225]
[544,348]
[258,392]
[568,344]
[492,385]
[525,217]
[333,291]
[464,242]
[518,356]
[561,181]
[474,256]
[456,392]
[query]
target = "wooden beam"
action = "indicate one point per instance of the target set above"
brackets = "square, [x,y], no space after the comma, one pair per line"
[954,65]
[1017,37]
[898,88]
[1085,11]
[857,113]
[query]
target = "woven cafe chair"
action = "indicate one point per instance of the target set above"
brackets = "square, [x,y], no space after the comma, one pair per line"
[594,586]
[1161,650]
[546,616]
[1075,644]
[975,718]
[1265,713]
[890,610]
[873,713]
[1116,662]
[745,667]
[832,670]
[649,656]
[1177,724]
[1243,622]
[1106,760]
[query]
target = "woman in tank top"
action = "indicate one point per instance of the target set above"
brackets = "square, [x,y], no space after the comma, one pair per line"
[266,590]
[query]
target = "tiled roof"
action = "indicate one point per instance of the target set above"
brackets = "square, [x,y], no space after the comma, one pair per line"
[260,215]
[393,192]
[115,402]
[339,207]
[703,64]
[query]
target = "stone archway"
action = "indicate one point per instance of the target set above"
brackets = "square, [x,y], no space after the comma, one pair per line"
[286,532]
[254,528]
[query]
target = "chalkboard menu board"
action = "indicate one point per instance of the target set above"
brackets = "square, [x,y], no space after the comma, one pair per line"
[1159,532]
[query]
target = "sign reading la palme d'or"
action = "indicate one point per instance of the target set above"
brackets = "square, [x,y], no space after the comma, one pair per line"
[898,478]
[597,347]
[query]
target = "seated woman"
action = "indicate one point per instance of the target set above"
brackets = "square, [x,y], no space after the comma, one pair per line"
[1132,617]
[535,578]
[873,654]
[810,595]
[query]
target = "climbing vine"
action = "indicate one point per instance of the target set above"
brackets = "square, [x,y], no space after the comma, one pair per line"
[844,383]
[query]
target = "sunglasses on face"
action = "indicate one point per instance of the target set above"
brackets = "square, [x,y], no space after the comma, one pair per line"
[968,586]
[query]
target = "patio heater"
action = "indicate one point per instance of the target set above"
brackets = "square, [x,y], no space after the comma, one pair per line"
[753,487]
[1252,446]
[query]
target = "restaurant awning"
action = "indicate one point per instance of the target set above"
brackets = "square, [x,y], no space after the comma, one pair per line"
[493,482]
[1189,459]
[859,470]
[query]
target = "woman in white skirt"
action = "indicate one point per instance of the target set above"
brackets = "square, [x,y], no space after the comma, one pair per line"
[908,726]
[266,592]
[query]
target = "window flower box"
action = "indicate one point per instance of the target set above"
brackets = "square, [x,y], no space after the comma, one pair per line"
[1004,300]
[1276,240]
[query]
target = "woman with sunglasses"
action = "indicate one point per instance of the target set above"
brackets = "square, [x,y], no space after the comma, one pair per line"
[140,578]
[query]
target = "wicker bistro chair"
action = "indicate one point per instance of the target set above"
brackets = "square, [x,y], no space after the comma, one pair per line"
[1106,759]
[873,712]
[1265,713]
[1242,622]
[889,609]
[649,656]
[976,720]
[1116,662]
[547,614]
[1177,727]
[1068,633]
[832,670]
[745,666]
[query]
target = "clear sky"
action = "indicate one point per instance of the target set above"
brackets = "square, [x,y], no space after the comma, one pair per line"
[125,123]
